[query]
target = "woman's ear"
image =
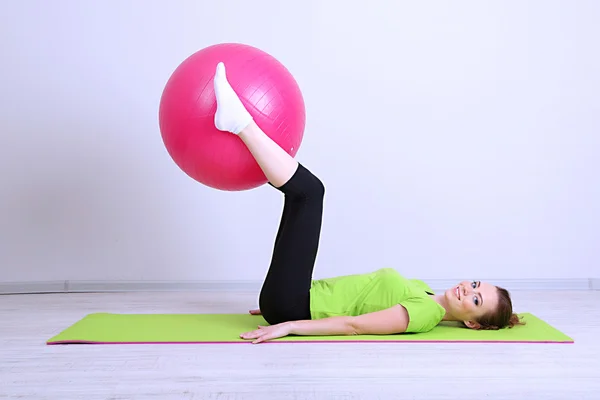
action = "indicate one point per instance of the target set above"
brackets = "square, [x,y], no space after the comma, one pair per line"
[472,324]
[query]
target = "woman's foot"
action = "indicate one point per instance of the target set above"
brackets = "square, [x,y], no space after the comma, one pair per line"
[231,115]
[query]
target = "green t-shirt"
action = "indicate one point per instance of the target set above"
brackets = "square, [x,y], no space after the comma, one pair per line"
[353,295]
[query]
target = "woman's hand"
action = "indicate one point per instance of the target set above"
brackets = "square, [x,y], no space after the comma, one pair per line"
[255,312]
[267,332]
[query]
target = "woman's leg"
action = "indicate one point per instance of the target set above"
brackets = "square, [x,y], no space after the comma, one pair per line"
[285,295]
[231,116]
[285,292]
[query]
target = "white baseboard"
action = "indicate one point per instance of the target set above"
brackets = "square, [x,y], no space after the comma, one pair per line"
[127,286]
[33,287]
[162,286]
[254,286]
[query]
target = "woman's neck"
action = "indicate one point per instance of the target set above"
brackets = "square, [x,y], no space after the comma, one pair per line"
[441,300]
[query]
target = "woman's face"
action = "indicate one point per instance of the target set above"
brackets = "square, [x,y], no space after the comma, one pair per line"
[470,300]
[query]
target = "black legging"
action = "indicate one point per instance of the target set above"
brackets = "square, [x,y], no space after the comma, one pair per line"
[285,293]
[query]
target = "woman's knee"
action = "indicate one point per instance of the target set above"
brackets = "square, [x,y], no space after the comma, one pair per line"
[317,188]
[314,185]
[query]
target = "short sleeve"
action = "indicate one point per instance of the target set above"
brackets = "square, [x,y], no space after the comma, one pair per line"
[423,314]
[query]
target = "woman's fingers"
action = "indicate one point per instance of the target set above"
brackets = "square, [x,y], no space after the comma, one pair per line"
[263,336]
[250,335]
[259,335]
[264,333]
[253,334]
[255,312]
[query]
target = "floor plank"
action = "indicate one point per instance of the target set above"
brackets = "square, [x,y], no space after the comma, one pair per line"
[31,370]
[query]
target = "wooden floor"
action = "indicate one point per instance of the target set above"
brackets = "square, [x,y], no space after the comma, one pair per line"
[31,370]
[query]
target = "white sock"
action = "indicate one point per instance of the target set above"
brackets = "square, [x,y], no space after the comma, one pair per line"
[231,115]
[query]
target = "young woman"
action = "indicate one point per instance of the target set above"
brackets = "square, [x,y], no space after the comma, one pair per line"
[378,303]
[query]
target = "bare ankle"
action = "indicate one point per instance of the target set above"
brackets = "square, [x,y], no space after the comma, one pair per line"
[250,130]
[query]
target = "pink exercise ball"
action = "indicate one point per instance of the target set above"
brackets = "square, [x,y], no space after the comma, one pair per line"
[187,108]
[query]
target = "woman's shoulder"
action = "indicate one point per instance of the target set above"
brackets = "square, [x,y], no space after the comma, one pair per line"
[424,313]
[417,284]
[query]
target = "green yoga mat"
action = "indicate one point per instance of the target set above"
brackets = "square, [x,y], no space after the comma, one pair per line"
[106,328]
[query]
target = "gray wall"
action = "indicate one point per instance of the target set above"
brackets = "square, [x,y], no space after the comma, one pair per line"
[456,139]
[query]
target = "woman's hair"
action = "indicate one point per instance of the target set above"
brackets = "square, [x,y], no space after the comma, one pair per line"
[503,316]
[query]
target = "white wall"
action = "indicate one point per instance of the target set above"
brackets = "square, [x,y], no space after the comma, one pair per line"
[456,139]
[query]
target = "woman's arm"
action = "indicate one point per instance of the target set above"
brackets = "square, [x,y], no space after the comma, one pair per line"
[384,322]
